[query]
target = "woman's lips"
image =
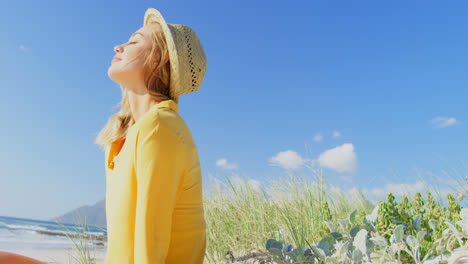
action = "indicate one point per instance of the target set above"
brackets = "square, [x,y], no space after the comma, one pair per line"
[116,59]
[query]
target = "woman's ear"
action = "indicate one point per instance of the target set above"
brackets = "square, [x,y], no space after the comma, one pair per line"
[166,59]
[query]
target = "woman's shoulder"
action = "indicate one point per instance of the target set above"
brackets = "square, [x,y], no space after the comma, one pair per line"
[169,121]
[161,117]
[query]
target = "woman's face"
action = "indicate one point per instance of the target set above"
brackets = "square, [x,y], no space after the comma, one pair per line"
[127,65]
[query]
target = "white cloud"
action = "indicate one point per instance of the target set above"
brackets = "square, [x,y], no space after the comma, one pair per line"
[442,122]
[238,183]
[341,158]
[336,134]
[22,47]
[379,192]
[351,194]
[335,189]
[346,178]
[399,189]
[318,138]
[223,163]
[287,159]
[404,188]
[354,192]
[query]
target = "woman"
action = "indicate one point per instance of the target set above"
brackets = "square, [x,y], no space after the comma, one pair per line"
[154,204]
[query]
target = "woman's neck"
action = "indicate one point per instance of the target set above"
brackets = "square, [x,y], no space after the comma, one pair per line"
[139,104]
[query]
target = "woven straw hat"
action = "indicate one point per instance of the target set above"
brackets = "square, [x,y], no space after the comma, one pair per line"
[186,55]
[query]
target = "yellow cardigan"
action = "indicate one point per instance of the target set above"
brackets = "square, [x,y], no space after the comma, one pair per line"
[154,204]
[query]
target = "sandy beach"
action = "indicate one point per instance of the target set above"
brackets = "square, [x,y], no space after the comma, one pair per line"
[57,255]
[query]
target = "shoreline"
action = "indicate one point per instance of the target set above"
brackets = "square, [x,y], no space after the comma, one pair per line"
[88,237]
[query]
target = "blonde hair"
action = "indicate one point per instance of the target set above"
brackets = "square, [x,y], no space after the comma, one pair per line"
[157,80]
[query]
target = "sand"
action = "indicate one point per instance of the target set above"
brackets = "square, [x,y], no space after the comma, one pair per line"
[62,256]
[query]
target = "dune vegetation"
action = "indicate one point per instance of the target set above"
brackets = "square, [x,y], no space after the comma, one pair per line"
[307,221]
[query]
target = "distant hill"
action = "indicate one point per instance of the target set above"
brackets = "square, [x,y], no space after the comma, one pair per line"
[95,215]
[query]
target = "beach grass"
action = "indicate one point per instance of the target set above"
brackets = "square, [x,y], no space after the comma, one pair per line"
[241,218]
[81,242]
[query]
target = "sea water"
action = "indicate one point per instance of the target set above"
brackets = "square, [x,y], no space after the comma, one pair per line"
[20,233]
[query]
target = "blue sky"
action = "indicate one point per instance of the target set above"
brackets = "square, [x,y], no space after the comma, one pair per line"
[372,92]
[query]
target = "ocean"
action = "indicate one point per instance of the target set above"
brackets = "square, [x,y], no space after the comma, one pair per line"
[20,233]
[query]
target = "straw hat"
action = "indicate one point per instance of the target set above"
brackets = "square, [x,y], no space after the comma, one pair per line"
[186,55]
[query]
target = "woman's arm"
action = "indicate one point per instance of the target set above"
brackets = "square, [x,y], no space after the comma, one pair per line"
[158,172]
[13,258]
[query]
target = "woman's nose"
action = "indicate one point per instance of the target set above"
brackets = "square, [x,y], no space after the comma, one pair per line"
[117,49]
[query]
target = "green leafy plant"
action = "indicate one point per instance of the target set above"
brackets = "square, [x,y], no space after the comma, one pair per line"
[395,232]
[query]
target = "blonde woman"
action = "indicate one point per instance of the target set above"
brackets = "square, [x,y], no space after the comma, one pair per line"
[154,204]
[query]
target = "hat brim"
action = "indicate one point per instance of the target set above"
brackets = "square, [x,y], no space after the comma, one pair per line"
[154,16]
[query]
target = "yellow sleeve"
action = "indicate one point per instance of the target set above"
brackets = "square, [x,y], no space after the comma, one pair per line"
[158,171]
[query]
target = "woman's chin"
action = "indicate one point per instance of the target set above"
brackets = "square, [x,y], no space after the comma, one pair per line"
[112,74]
[114,79]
